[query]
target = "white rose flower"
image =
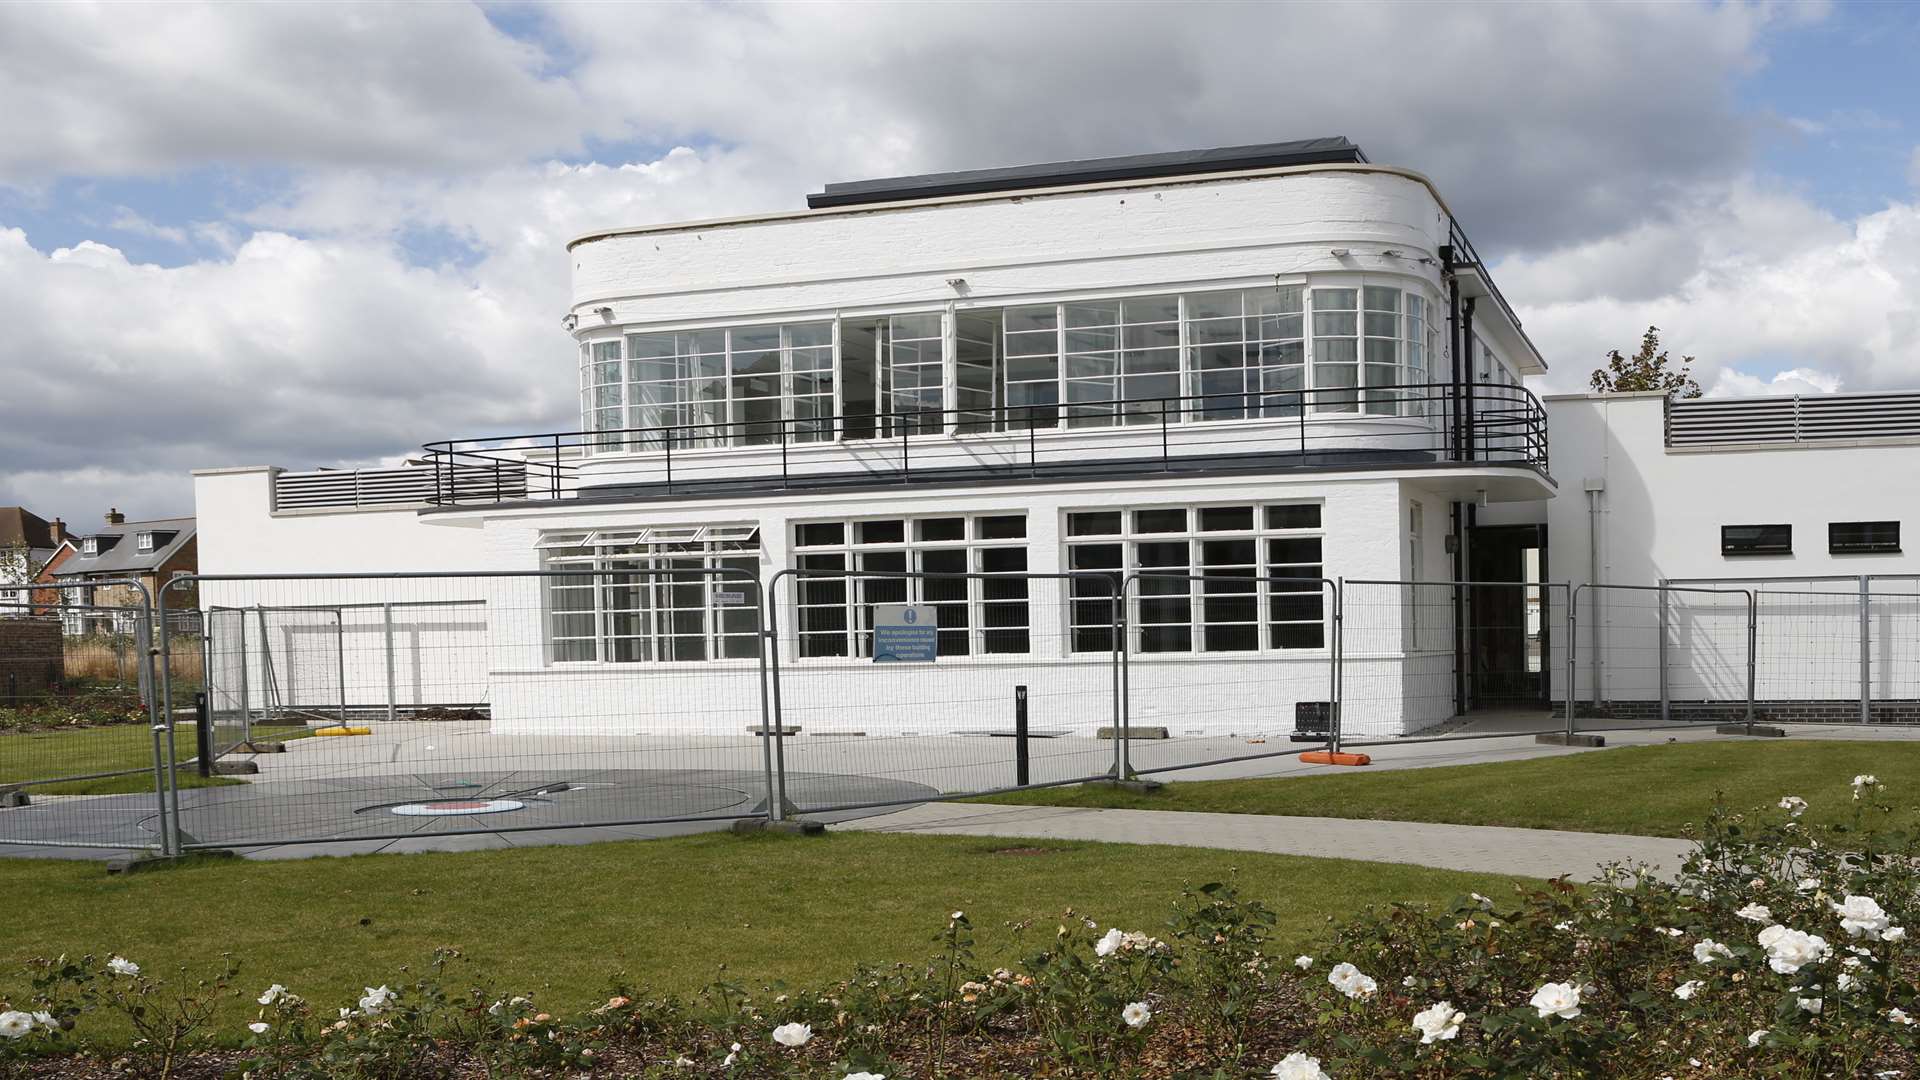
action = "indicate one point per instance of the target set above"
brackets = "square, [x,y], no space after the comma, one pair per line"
[793,1035]
[1794,805]
[1894,933]
[1303,962]
[1790,950]
[1755,913]
[257,1028]
[376,999]
[1299,1066]
[1438,1021]
[1811,1005]
[1806,885]
[120,965]
[957,916]
[1670,931]
[1483,901]
[1754,1038]
[1136,1015]
[1865,780]
[1348,980]
[14,1024]
[274,993]
[1557,999]
[46,1020]
[1709,950]
[1845,982]
[1861,916]
[1409,982]
[1899,1016]
[1686,990]
[1109,944]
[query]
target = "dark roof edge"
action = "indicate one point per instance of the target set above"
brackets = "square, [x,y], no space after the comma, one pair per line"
[1334,150]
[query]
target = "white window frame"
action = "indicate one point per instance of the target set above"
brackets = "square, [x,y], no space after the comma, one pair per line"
[1129,539]
[143,542]
[608,552]
[857,605]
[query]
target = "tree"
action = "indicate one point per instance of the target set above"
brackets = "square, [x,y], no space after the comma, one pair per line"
[1646,370]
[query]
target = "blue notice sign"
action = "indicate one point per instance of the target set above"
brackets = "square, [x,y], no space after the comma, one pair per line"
[905,634]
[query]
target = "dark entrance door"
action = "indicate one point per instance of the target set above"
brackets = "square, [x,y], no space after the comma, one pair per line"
[1508,625]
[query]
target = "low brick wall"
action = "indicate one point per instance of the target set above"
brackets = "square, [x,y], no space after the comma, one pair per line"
[31,657]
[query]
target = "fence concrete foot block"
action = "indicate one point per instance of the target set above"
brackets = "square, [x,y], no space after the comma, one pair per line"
[1766,731]
[263,748]
[1134,733]
[13,797]
[1570,740]
[235,768]
[789,827]
[1136,786]
[782,730]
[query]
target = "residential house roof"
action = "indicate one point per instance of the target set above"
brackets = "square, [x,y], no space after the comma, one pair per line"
[125,556]
[20,525]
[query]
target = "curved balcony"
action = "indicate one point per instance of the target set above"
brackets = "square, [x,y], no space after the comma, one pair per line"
[1402,426]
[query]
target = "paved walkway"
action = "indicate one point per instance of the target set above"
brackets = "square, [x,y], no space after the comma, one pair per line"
[1529,852]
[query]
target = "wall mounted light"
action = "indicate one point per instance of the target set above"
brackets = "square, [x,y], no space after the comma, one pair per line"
[605,313]
[1339,253]
[959,285]
[1390,253]
[569,320]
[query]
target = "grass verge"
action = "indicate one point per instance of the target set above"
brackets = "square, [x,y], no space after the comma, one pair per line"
[666,913]
[1642,790]
[32,755]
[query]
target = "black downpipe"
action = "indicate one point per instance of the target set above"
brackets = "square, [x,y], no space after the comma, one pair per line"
[1456,426]
[1466,383]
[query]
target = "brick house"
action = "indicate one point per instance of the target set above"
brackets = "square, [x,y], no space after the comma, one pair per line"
[38,543]
[151,552]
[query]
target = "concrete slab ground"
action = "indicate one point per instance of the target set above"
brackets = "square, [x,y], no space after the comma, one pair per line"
[1539,853]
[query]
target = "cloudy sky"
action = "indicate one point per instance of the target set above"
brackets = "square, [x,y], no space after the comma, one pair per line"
[319,235]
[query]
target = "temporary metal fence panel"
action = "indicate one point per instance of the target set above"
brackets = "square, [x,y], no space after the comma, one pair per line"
[81,760]
[1021,685]
[622,689]
[1449,659]
[1890,661]
[1227,665]
[1657,655]
[228,689]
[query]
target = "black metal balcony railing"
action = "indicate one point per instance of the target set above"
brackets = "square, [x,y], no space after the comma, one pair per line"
[1421,424]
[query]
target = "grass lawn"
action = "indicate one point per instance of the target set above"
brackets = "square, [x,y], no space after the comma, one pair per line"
[110,748]
[1644,790]
[561,921]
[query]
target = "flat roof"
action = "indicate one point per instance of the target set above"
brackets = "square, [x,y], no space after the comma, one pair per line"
[1333,150]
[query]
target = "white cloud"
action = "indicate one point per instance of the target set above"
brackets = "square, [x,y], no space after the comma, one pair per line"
[1731,383]
[97,89]
[1756,283]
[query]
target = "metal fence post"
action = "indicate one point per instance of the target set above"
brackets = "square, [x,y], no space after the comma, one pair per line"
[771,722]
[246,698]
[164,701]
[1753,639]
[1022,773]
[1123,714]
[386,622]
[1866,649]
[340,656]
[1666,696]
[1334,720]
[1573,649]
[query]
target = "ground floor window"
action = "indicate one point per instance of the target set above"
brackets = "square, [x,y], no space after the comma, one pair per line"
[654,594]
[1216,579]
[833,603]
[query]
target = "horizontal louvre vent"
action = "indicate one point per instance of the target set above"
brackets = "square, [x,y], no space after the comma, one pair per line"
[409,486]
[1823,418]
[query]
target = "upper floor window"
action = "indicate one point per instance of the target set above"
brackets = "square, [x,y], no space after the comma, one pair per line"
[1863,538]
[1756,539]
[90,546]
[1234,354]
[143,542]
[985,614]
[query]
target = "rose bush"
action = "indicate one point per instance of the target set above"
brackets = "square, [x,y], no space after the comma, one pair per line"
[1777,950]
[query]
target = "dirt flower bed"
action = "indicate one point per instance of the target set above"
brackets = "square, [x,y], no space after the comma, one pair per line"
[68,709]
[1781,950]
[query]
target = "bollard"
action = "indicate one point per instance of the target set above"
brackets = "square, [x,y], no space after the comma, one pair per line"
[203,734]
[1020,762]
